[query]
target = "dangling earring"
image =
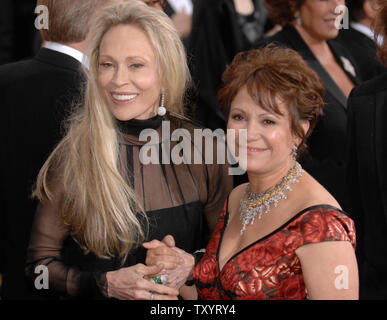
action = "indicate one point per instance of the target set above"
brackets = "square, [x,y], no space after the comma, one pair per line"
[298,20]
[161,111]
[294,152]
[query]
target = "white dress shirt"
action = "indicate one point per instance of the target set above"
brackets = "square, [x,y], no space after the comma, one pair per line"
[178,5]
[76,54]
[366,31]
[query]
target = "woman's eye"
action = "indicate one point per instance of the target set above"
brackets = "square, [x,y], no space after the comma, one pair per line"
[136,65]
[268,122]
[106,64]
[237,117]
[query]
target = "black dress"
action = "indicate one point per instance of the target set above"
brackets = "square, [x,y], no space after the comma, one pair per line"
[183,200]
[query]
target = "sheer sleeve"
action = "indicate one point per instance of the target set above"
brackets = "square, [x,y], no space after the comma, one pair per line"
[219,186]
[45,248]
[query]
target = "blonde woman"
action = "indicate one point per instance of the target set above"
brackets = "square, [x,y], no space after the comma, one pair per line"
[98,202]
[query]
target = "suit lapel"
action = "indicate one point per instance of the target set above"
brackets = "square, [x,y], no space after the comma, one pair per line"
[380,144]
[329,84]
[346,63]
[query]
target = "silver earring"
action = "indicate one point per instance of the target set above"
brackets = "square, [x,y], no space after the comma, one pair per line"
[161,111]
[294,152]
[298,19]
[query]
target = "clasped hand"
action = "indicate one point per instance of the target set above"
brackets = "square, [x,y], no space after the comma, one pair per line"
[136,282]
[177,264]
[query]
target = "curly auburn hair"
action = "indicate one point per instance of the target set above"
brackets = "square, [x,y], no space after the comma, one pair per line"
[380,29]
[282,11]
[271,73]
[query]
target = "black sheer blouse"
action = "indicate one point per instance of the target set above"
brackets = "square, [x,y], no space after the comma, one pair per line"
[183,200]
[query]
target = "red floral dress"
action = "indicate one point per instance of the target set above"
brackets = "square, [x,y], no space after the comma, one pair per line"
[269,268]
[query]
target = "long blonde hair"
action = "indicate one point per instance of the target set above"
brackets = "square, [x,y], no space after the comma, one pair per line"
[83,173]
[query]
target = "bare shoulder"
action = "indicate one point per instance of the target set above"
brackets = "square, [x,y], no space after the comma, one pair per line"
[313,193]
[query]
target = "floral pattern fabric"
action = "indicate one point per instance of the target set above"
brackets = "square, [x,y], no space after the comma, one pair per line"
[269,268]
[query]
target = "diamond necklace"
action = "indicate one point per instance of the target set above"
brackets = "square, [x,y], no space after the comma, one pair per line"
[253,203]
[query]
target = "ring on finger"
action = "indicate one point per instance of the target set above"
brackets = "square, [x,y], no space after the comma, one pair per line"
[152,295]
[163,279]
[157,280]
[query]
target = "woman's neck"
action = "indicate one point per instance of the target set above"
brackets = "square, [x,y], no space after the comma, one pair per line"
[244,7]
[261,182]
[319,47]
[135,126]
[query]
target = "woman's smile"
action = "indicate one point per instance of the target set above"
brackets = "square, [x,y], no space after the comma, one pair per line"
[123,98]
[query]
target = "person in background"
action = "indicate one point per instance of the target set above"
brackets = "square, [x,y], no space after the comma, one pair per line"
[31,126]
[180,11]
[309,27]
[359,37]
[7,32]
[98,199]
[281,235]
[17,34]
[367,172]
[220,29]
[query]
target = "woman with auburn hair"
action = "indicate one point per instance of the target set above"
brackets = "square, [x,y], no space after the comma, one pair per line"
[367,171]
[98,201]
[309,27]
[281,235]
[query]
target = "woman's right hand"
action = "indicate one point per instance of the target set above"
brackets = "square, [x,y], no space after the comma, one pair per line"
[162,252]
[136,283]
[178,263]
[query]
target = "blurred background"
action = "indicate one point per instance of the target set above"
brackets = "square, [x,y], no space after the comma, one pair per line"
[18,38]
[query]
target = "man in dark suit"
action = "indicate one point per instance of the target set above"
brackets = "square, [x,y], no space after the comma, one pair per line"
[359,37]
[367,175]
[36,95]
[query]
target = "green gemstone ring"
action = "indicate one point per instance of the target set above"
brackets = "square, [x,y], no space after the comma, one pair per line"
[163,279]
[157,280]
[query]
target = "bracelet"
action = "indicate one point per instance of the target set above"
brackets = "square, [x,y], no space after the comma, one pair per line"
[198,255]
